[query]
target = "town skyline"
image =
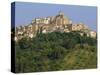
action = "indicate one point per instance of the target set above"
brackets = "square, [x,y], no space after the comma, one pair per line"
[26,12]
[57,23]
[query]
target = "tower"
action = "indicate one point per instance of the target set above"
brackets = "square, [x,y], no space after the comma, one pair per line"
[61,13]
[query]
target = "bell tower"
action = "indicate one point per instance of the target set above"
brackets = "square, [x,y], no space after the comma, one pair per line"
[61,13]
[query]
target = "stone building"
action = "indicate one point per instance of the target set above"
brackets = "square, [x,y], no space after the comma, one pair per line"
[41,20]
[78,27]
[61,19]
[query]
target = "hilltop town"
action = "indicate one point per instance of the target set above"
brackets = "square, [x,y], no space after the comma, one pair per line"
[58,23]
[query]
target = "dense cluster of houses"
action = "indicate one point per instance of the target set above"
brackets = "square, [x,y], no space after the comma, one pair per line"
[50,24]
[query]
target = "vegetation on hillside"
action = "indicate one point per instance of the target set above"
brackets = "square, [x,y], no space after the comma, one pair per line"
[56,51]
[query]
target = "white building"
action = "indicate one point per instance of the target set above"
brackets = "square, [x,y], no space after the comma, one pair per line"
[93,34]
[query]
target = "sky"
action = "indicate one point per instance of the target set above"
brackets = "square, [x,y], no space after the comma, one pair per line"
[25,12]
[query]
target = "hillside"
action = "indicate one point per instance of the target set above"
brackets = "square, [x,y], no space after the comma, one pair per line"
[56,51]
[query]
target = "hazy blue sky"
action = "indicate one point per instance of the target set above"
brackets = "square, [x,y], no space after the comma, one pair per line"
[25,12]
